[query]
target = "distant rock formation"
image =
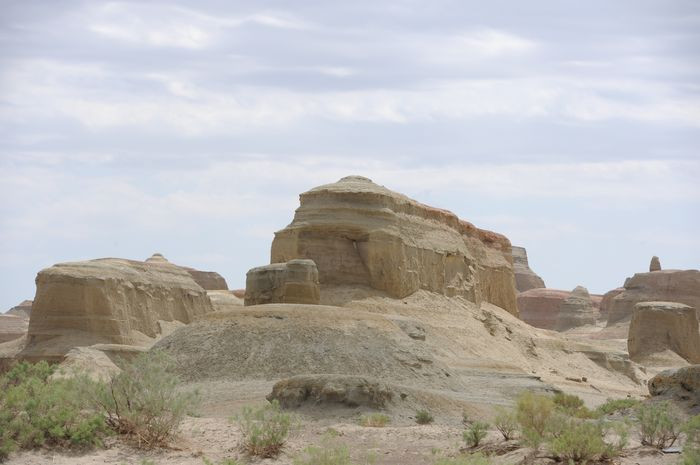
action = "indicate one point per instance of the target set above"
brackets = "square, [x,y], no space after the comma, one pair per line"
[23,310]
[360,233]
[224,300]
[576,310]
[525,278]
[663,286]
[540,307]
[109,300]
[293,282]
[208,280]
[606,302]
[12,327]
[655,264]
[660,326]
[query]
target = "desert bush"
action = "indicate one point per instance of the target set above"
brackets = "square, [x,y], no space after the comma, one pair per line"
[659,424]
[423,417]
[376,420]
[505,422]
[572,405]
[691,449]
[325,455]
[581,442]
[616,405]
[37,410]
[473,459]
[222,462]
[475,433]
[534,413]
[265,429]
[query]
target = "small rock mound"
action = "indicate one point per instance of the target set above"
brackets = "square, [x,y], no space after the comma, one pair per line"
[660,326]
[353,391]
[576,310]
[293,282]
[680,383]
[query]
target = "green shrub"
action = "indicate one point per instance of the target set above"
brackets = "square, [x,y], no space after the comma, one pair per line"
[691,449]
[659,424]
[223,462]
[475,433]
[376,420]
[473,459]
[581,442]
[265,429]
[534,413]
[567,402]
[505,422]
[423,417]
[616,405]
[143,401]
[36,410]
[691,456]
[325,455]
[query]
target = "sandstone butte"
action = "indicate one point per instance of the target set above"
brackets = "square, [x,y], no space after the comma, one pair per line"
[109,300]
[361,234]
[540,307]
[576,310]
[525,278]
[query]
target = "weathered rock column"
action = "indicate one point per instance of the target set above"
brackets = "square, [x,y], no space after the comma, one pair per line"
[660,326]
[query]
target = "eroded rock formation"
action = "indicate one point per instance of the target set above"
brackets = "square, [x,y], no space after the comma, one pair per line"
[655,264]
[352,391]
[663,286]
[525,278]
[360,233]
[293,282]
[12,327]
[540,307]
[606,302]
[660,326]
[23,310]
[208,280]
[576,310]
[679,383]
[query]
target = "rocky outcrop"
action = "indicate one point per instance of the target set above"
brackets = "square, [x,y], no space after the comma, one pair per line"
[360,233]
[352,391]
[576,310]
[224,300]
[661,286]
[109,300]
[680,383]
[606,302]
[12,327]
[655,264]
[207,280]
[293,282]
[23,310]
[525,278]
[540,307]
[660,326]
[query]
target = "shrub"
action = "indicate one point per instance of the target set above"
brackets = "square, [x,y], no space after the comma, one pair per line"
[572,405]
[143,400]
[223,462]
[376,420]
[580,442]
[473,459]
[658,424]
[534,413]
[616,405]
[325,455]
[265,429]
[475,433]
[423,417]
[505,422]
[37,410]
[691,449]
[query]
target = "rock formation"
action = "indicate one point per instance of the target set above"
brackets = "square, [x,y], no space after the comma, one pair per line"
[679,383]
[606,303]
[109,300]
[293,282]
[525,278]
[208,280]
[361,234]
[660,326]
[655,264]
[663,286]
[576,310]
[12,327]
[352,391]
[23,310]
[224,300]
[540,307]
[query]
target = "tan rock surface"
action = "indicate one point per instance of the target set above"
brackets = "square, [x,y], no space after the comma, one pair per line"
[224,300]
[540,307]
[663,286]
[12,327]
[360,233]
[576,310]
[295,281]
[655,264]
[606,301]
[23,310]
[660,326]
[207,280]
[525,278]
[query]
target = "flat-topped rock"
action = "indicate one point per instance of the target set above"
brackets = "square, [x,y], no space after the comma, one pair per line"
[293,282]
[360,233]
[12,327]
[525,278]
[540,307]
[208,280]
[660,326]
[23,310]
[663,286]
[576,310]
[607,300]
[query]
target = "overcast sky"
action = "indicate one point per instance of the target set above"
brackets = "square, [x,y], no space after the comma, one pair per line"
[190,128]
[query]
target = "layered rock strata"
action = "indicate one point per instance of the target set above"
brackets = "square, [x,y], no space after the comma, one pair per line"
[293,282]
[660,326]
[360,233]
[12,327]
[663,286]
[576,310]
[23,310]
[208,280]
[525,278]
[607,300]
[540,307]
[679,383]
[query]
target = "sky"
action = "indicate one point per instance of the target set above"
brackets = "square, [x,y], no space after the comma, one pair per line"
[190,128]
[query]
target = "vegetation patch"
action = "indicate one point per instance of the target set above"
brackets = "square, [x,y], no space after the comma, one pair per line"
[265,429]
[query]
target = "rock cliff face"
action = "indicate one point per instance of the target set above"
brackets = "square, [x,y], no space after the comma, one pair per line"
[660,326]
[665,286]
[576,310]
[540,307]
[293,282]
[525,278]
[12,327]
[360,233]
[110,300]
[606,303]
[208,280]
